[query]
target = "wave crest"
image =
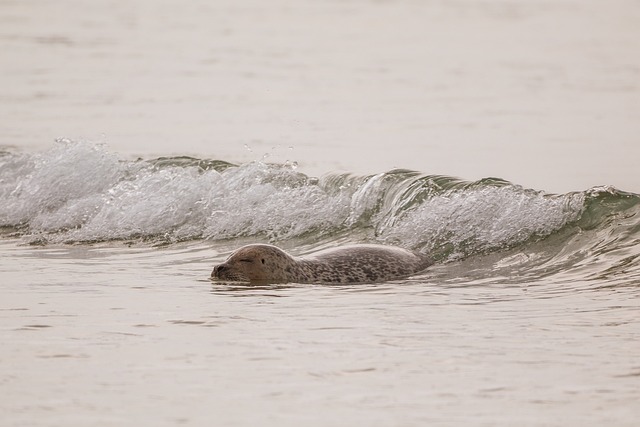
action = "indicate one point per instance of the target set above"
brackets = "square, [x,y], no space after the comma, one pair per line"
[79,192]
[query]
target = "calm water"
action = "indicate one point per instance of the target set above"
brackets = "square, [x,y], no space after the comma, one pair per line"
[227,124]
[89,339]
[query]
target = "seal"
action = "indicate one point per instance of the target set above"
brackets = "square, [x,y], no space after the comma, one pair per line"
[260,263]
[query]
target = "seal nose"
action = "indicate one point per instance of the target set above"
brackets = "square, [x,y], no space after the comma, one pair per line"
[217,270]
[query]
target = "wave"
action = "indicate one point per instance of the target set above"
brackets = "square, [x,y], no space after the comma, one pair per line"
[81,193]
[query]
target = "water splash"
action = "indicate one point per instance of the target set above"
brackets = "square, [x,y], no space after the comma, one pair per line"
[79,192]
[476,220]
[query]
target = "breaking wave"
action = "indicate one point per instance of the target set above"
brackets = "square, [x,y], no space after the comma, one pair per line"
[81,193]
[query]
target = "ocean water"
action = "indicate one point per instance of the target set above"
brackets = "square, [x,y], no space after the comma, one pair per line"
[530,315]
[142,142]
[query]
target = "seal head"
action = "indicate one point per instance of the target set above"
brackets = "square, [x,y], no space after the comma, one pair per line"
[256,264]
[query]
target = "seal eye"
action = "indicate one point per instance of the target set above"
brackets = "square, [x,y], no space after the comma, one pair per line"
[262,260]
[246,260]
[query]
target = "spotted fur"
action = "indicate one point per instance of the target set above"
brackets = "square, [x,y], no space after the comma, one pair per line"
[349,264]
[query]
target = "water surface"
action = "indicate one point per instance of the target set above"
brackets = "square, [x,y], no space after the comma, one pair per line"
[109,318]
[498,136]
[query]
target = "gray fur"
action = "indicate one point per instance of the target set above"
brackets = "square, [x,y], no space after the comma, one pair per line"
[348,264]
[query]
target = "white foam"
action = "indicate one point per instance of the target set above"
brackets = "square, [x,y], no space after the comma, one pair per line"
[164,203]
[40,189]
[273,201]
[80,192]
[481,219]
[84,193]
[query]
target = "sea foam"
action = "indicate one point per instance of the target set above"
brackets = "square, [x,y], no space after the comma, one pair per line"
[80,192]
